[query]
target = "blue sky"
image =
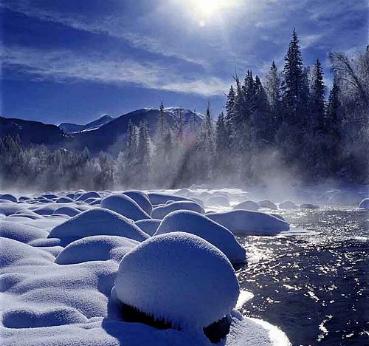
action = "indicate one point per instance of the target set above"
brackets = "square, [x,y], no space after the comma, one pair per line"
[65,60]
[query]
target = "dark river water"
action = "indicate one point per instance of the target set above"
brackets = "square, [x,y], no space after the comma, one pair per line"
[314,281]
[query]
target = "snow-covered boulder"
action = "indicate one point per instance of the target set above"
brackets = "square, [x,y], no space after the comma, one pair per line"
[9,208]
[8,197]
[149,226]
[267,205]
[364,204]
[70,211]
[97,222]
[86,195]
[96,248]
[160,212]
[245,222]
[179,278]
[288,205]
[203,227]
[162,198]
[20,232]
[247,205]
[125,206]
[64,200]
[141,199]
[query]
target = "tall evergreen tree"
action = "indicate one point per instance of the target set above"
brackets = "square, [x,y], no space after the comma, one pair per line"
[317,93]
[292,86]
[273,90]
[131,142]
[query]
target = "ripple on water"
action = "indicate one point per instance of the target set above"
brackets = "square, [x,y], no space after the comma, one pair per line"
[313,281]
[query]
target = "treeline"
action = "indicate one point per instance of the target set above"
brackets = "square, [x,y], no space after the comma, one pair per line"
[283,124]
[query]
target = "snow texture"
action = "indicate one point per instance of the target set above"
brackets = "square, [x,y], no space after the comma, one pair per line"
[245,222]
[57,275]
[125,206]
[149,226]
[162,211]
[162,198]
[141,199]
[203,227]
[97,222]
[162,275]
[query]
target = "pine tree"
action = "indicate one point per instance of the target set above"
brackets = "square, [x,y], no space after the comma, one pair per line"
[131,142]
[230,103]
[317,97]
[221,139]
[273,90]
[161,121]
[180,125]
[292,86]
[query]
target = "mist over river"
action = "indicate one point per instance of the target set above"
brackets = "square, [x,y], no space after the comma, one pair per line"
[313,281]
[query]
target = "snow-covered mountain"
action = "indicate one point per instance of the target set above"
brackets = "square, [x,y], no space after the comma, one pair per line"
[93,125]
[97,135]
[110,134]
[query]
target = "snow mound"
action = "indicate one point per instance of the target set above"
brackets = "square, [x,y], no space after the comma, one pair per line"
[247,205]
[70,211]
[96,248]
[9,208]
[245,222]
[97,222]
[141,199]
[288,205]
[14,252]
[364,204]
[267,205]
[179,278]
[8,197]
[86,195]
[162,198]
[36,318]
[203,227]
[149,226]
[64,200]
[125,206]
[162,211]
[20,232]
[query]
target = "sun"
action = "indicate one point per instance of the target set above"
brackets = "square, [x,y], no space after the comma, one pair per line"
[204,10]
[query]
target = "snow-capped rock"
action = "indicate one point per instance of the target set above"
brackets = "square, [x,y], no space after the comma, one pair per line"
[125,206]
[162,198]
[96,248]
[247,205]
[267,205]
[141,199]
[97,222]
[149,226]
[161,211]
[245,222]
[179,278]
[203,227]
